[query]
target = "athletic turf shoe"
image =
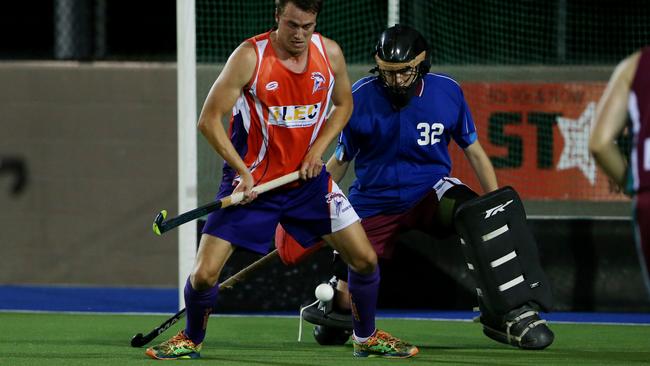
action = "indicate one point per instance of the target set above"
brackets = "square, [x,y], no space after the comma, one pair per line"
[179,346]
[382,344]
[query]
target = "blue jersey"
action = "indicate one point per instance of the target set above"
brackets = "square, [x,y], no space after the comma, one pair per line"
[400,154]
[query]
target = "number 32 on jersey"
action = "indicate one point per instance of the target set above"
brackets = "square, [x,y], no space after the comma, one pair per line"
[429,133]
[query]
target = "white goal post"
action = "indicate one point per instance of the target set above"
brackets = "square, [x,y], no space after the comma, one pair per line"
[186,127]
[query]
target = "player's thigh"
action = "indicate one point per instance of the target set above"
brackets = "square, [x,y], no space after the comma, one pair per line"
[211,256]
[352,244]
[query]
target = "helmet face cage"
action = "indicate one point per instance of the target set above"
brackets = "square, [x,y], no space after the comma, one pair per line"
[402,59]
[400,81]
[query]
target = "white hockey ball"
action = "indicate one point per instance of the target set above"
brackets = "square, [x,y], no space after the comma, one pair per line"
[324,292]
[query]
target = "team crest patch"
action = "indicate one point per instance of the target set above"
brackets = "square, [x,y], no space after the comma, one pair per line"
[272,85]
[338,199]
[319,81]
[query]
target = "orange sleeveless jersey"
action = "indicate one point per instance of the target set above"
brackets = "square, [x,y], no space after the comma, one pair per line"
[280,113]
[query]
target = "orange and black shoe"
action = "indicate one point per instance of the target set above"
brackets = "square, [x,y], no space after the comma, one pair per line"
[178,347]
[382,344]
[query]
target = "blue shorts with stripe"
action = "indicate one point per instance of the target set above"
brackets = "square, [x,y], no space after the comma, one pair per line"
[315,208]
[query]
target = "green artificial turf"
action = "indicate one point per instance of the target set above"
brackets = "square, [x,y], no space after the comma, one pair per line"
[89,339]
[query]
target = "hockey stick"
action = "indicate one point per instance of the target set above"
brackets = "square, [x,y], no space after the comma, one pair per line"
[160,226]
[140,340]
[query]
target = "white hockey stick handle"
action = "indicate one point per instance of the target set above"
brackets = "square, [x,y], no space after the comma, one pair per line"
[275,183]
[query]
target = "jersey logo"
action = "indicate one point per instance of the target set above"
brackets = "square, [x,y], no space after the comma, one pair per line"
[338,199]
[294,116]
[319,81]
[495,210]
[272,85]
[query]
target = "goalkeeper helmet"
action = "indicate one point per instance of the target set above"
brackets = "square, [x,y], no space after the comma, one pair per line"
[402,56]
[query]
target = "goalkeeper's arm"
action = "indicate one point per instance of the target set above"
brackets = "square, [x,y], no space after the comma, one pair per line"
[337,168]
[482,166]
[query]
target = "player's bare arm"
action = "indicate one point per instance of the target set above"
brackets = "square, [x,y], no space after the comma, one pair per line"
[222,97]
[611,116]
[482,166]
[337,168]
[339,114]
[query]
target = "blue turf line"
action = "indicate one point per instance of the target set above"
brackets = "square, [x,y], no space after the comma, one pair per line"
[91,299]
[165,300]
[571,317]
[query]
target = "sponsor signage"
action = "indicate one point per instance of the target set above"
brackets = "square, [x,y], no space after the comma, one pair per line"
[537,136]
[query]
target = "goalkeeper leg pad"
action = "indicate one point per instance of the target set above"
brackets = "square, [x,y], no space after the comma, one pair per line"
[502,257]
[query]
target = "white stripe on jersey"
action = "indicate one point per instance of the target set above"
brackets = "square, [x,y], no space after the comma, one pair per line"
[261,47]
[366,82]
[265,134]
[323,113]
[317,40]
[444,77]
[455,82]
[240,108]
[633,109]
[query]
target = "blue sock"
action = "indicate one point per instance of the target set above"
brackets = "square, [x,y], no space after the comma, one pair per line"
[364,290]
[198,305]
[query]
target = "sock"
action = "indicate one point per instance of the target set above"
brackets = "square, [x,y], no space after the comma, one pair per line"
[198,305]
[364,290]
[359,339]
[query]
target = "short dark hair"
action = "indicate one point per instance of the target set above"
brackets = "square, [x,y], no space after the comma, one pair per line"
[312,6]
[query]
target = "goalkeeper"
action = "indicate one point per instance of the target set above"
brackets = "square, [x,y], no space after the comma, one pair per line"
[398,136]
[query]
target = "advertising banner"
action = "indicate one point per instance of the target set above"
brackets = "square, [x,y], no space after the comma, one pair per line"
[537,136]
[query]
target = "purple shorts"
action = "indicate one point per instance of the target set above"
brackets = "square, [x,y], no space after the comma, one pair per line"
[315,208]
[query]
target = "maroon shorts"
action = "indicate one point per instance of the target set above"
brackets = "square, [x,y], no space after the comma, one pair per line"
[383,230]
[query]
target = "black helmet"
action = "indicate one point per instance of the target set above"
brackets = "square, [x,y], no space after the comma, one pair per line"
[401,50]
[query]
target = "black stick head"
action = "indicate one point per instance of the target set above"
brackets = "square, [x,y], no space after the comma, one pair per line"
[138,340]
[157,222]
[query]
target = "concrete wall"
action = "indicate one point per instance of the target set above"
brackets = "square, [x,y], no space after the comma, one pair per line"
[99,144]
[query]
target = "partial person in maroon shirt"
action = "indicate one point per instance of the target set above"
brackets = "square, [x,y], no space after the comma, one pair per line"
[627,97]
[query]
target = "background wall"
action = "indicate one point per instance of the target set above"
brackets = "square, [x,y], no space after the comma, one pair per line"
[88,145]
[99,144]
